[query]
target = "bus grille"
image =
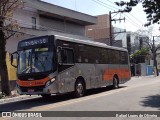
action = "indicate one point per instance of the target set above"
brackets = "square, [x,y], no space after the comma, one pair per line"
[36,89]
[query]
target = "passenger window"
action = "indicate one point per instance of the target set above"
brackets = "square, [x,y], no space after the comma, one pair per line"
[124,58]
[66,56]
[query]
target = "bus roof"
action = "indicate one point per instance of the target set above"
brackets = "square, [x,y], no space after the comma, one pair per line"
[88,42]
[77,39]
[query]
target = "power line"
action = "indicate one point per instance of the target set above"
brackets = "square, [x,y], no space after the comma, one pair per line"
[135,18]
[134,22]
[107,4]
[110,1]
[102,4]
[129,13]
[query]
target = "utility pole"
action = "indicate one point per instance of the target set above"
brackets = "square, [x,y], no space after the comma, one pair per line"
[110,24]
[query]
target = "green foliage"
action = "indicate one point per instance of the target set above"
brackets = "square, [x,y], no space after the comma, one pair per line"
[141,52]
[151,8]
[139,56]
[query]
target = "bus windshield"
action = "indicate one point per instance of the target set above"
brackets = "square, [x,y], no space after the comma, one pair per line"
[35,60]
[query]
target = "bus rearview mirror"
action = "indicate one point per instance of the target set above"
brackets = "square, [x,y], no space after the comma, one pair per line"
[12,59]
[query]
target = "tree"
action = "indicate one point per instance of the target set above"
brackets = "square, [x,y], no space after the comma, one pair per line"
[154,50]
[151,8]
[139,56]
[150,42]
[7,29]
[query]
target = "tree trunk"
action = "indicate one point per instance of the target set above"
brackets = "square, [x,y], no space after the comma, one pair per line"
[3,67]
[155,63]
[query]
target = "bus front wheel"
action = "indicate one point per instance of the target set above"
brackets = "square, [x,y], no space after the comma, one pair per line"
[115,82]
[79,88]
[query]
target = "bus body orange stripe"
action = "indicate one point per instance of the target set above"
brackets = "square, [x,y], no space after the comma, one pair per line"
[122,73]
[33,83]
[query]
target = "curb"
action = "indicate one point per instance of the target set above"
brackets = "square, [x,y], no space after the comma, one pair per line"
[149,76]
[17,98]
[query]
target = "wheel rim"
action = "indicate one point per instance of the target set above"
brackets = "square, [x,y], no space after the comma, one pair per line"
[79,88]
[115,82]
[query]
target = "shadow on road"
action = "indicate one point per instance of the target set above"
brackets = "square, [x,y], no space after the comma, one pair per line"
[27,104]
[152,101]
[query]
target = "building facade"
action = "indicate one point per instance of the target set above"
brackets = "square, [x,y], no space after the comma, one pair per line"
[136,41]
[101,32]
[39,18]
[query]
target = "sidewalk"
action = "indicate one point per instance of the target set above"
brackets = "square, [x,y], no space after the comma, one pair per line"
[16,98]
[140,77]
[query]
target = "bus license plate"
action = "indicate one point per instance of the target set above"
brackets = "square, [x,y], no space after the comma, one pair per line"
[30,90]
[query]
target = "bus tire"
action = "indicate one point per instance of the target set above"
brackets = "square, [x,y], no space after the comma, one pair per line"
[46,95]
[115,82]
[79,88]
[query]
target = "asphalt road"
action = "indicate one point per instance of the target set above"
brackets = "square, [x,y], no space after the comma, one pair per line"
[139,94]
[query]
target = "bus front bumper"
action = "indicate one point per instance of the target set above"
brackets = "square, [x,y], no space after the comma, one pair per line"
[37,90]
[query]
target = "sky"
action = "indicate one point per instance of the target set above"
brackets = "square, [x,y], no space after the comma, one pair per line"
[134,20]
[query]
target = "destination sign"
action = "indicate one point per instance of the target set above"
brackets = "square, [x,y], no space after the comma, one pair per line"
[36,41]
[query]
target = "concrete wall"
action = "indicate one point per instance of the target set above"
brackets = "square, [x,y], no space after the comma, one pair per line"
[59,25]
[24,17]
[12,43]
[99,30]
[143,69]
[45,7]
[43,24]
[75,29]
[120,36]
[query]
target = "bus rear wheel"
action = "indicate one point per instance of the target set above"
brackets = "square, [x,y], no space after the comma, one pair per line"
[79,88]
[115,82]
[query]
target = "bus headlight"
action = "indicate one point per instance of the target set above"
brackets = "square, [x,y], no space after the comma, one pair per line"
[50,81]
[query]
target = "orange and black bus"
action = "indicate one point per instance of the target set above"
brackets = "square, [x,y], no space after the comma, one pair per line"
[54,64]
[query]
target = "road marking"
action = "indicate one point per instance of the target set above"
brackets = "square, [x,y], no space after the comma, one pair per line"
[68,102]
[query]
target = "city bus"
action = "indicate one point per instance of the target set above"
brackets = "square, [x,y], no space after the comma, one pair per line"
[55,64]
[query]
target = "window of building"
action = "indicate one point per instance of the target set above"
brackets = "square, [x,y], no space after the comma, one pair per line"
[34,22]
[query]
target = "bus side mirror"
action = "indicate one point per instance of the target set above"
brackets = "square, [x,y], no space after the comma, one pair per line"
[12,59]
